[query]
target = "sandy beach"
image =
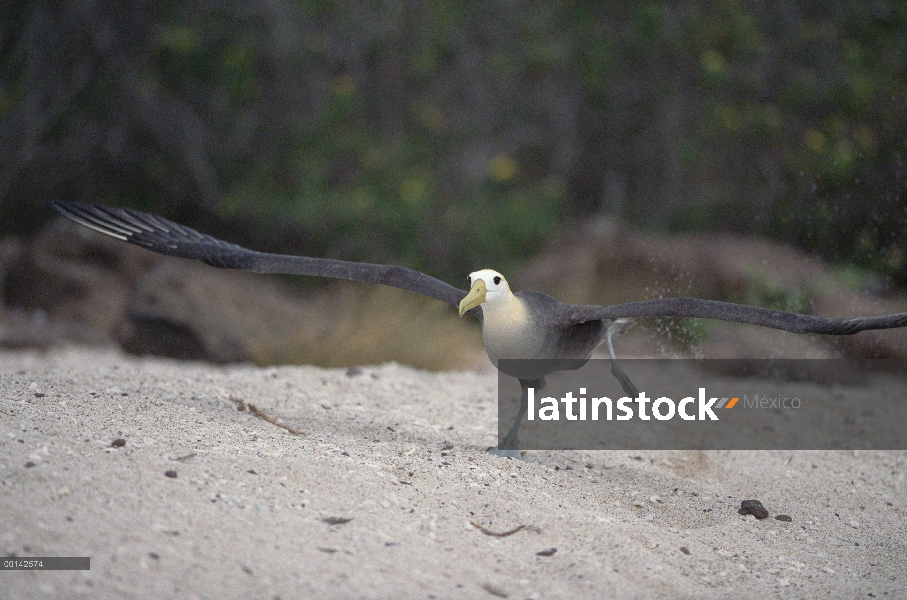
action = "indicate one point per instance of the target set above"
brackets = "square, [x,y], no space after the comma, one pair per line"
[373,482]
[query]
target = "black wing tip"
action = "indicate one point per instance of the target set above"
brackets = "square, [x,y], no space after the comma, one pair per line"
[97,218]
[154,233]
[64,207]
[70,209]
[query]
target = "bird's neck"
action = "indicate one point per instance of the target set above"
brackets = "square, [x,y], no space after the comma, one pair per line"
[507,331]
[508,311]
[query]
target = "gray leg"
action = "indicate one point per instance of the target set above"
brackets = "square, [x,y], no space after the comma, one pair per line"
[625,382]
[510,445]
[510,441]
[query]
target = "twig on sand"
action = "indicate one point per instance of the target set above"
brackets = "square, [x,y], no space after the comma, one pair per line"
[242,405]
[505,533]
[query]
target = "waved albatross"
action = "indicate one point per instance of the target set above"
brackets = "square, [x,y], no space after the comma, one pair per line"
[524,325]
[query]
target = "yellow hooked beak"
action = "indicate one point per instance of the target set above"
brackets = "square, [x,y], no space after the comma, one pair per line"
[475,297]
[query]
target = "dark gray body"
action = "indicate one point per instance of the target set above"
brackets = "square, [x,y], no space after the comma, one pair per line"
[561,342]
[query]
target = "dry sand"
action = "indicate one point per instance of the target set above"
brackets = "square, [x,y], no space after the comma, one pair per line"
[400,453]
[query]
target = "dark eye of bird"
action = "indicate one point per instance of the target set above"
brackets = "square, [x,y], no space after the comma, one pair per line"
[497,280]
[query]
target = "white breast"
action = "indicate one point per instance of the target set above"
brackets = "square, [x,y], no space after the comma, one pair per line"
[507,331]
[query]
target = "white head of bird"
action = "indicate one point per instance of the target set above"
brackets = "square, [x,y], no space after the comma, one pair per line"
[486,287]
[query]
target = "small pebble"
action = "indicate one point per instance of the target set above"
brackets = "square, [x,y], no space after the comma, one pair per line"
[548,552]
[753,507]
[785,518]
[828,570]
[118,443]
[171,473]
[39,395]
[685,550]
[854,524]
[494,590]
[337,520]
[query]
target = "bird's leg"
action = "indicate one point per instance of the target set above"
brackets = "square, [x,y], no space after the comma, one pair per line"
[625,382]
[510,441]
[510,445]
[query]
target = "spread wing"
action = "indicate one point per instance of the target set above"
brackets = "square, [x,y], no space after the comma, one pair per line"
[739,313]
[165,237]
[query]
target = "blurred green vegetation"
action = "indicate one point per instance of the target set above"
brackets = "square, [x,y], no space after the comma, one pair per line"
[449,136]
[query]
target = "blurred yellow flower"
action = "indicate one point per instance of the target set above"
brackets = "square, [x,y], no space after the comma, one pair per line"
[713,61]
[815,140]
[343,85]
[502,168]
[179,39]
[864,137]
[413,190]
